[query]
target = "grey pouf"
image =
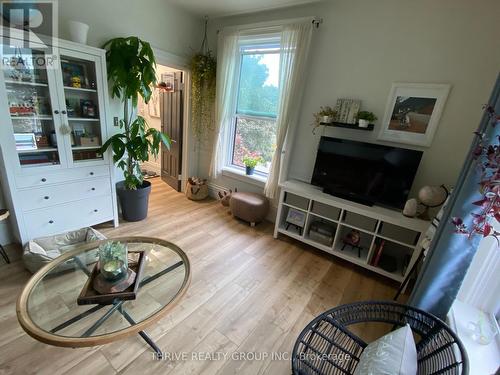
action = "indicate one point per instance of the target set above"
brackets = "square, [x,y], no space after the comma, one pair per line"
[41,251]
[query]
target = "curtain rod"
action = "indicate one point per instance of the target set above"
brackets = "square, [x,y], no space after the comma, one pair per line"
[316,21]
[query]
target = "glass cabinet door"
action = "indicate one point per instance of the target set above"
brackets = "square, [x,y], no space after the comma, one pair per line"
[31,96]
[83,107]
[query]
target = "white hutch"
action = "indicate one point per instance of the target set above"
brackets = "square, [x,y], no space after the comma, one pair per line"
[54,116]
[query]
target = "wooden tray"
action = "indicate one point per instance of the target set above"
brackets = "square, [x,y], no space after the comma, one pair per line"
[89,296]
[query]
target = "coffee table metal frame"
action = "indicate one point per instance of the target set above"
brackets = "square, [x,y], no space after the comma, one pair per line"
[50,337]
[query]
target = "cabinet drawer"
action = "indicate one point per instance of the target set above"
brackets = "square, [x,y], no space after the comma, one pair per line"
[58,219]
[48,196]
[67,175]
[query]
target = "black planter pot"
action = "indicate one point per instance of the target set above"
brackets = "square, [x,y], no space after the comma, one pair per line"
[249,171]
[134,203]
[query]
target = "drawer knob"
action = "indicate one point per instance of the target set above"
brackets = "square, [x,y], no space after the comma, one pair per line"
[96,210]
[46,197]
[63,112]
[51,221]
[92,189]
[91,173]
[56,112]
[44,179]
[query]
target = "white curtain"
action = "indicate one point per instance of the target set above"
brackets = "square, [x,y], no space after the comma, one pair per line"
[295,42]
[227,60]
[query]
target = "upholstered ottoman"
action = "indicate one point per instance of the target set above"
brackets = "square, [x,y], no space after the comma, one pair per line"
[250,207]
[41,251]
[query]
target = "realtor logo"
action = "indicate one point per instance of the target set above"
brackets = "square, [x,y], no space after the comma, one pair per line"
[29,32]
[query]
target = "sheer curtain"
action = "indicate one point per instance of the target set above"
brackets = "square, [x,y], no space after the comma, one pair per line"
[227,60]
[294,51]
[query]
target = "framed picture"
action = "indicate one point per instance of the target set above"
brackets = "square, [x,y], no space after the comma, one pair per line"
[413,112]
[296,217]
[154,103]
[169,80]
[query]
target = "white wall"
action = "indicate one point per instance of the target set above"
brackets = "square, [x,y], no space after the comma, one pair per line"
[165,26]
[363,46]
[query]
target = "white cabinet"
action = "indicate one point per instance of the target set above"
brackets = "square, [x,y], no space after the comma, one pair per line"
[389,243]
[54,113]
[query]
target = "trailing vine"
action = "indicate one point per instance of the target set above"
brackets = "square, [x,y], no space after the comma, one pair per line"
[487,156]
[203,83]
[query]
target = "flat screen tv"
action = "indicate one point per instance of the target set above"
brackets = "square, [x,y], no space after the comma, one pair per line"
[364,172]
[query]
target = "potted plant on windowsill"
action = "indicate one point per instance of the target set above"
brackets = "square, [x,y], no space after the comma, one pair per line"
[131,69]
[366,118]
[251,162]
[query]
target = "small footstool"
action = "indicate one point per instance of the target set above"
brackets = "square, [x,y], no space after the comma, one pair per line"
[250,207]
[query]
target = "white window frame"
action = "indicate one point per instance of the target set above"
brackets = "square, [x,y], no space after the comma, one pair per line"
[264,41]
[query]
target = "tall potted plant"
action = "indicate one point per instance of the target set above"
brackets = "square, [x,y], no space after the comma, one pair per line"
[131,69]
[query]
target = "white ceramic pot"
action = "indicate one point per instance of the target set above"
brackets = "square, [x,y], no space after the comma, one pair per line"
[363,123]
[327,119]
[78,31]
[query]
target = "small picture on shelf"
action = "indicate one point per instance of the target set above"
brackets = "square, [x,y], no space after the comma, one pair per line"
[322,232]
[88,109]
[25,141]
[296,219]
[347,110]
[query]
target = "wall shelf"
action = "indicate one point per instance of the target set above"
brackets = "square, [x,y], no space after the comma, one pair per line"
[347,126]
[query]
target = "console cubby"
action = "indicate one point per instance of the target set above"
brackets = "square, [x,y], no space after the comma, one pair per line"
[329,230]
[402,235]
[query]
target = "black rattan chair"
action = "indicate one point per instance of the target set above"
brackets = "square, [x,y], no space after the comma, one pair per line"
[322,346]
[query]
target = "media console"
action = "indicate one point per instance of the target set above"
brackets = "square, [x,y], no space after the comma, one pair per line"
[384,234]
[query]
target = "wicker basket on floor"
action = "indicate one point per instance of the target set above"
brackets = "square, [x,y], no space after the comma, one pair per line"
[327,337]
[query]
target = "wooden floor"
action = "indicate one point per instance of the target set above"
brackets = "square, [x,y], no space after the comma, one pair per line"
[249,294]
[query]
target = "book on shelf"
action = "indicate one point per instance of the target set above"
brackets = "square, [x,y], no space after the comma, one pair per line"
[378,253]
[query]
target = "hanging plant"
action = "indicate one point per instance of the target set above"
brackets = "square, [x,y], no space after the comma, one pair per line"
[203,75]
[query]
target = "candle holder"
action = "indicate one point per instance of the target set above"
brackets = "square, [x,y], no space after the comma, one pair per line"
[113,261]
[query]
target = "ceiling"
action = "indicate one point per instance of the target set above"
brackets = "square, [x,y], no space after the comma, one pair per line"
[219,8]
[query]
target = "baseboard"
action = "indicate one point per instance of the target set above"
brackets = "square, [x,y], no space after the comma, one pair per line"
[213,190]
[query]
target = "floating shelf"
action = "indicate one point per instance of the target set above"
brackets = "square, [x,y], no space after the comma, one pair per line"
[347,126]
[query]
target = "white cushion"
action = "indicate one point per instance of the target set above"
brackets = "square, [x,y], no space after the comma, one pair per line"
[392,354]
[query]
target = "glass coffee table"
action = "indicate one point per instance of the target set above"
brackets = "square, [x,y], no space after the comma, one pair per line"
[47,308]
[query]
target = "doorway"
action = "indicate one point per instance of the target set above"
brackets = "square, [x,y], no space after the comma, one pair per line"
[165,112]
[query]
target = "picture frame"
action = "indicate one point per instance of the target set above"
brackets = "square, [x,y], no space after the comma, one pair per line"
[169,80]
[296,217]
[413,112]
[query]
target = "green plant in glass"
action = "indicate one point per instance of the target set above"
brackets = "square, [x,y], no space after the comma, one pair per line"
[131,69]
[113,260]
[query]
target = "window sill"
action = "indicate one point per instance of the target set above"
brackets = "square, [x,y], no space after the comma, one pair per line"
[482,358]
[239,174]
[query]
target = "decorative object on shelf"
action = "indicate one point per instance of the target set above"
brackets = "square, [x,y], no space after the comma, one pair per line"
[296,218]
[25,141]
[196,188]
[410,208]
[88,108]
[225,197]
[203,82]
[366,118]
[412,113]
[251,162]
[432,197]
[41,140]
[322,232]
[131,69]
[325,116]
[89,140]
[113,260]
[167,83]
[353,239]
[377,254]
[347,110]
[74,73]
[78,31]
[108,293]
[250,207]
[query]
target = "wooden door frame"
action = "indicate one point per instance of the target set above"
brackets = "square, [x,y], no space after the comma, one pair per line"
[177,62]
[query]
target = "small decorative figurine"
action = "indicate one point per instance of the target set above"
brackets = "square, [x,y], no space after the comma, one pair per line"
[76,82]
[353,239]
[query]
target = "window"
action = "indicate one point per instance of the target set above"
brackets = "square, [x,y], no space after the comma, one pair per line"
[254,131]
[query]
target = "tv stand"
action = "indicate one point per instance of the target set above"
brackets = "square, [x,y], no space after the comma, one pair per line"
[390,242]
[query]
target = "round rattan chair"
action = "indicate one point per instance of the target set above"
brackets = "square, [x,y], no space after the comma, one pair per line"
[326,345]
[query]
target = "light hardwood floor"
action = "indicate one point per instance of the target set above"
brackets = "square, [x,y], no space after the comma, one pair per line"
[249,294]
